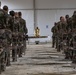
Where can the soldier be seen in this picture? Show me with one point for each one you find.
(69, 23)
(61, 28)
(74, 22)
(54, 35)
(58, 37)
(66, 36)
(15, 35)
(8, 33)
(3, 39)
(23, 31)
(74, 37)
(14, 26)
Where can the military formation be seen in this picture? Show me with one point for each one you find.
(13, 32)
(13, 36)
(64, 36)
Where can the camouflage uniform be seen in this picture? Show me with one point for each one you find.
(54, 31)
(8, 35)
(69, 36)
(3, 40)
(61, 28)
(73, 39)
(58, 39)
(22, 39)
(14, 26)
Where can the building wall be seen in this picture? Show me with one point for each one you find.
(55, 4)
(18, 4)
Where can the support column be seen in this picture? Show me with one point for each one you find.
(34, 8)
(0, 4)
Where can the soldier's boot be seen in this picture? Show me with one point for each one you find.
(66, 55)
(24, 47)
(0, 66)
(56, 43)
(20, 53)
(8, 60)
(74, 59)
(3, 64)
(3, 67)
(24, 50)
(14, 59)
(58, 48)
(14, 55)
(53, 44)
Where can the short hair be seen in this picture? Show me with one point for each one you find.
(61, 17)
(67, 16)
(5, 8)
(12, 13)
(19, 13)
(55, 23)
(74, 13)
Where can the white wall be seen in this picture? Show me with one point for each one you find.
(55, 4)
(47, 12)
(18, 4)
(45, 18)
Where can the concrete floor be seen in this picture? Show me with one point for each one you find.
(41, 60)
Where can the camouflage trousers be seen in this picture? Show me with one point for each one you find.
(53, 41)
(24, 46)
(14, 52)
(2, 62)
(7, 56)
(20, 51)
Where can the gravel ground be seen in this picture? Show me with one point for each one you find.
(41, 60)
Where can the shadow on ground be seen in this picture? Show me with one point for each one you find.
(48, 74)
